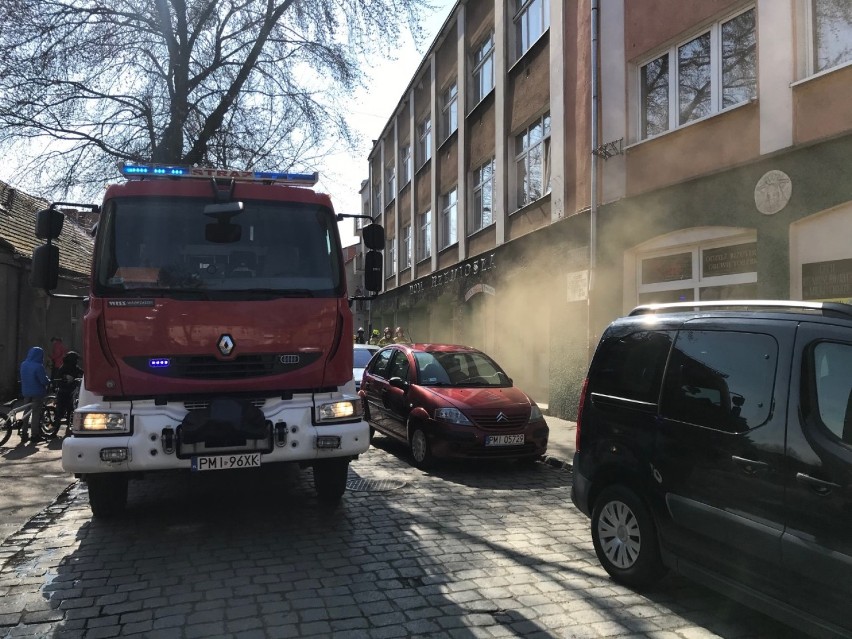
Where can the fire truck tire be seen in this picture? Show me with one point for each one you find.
(330, 479)
(107, 494)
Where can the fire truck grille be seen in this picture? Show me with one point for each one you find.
(208, 367)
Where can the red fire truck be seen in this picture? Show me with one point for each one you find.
(218, 333)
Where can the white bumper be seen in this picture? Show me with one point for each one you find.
(146, 452)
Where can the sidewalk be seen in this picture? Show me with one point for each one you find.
(32, 477)
(560, 445)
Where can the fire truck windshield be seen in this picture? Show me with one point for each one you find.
(171, 246)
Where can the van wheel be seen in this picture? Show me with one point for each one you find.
(625, 538)
(107, 494)
(421, 451)
(330, 479)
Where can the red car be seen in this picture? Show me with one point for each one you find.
(450, 401)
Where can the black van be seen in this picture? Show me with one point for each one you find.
(715, 440)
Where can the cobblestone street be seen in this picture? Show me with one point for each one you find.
(468, 550)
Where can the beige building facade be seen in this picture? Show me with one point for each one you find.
(551, 165)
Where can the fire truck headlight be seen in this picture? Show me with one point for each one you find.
(99, 423)
(347, 409)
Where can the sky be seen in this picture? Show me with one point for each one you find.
(342, 175)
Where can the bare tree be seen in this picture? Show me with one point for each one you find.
(256, 84)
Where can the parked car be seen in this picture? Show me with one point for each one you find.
(362, 355)
(717, 442)
(448, 401)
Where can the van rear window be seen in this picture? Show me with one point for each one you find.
(631, 366)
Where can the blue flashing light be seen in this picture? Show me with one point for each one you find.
(160, 362)
(300, 178)
(170, 171)
(153, 169)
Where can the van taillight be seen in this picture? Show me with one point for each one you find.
(580, 413)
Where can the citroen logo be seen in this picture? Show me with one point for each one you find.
(502, 417)
(225, 344)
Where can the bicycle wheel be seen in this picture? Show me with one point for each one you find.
(5, 427)
(49, 425)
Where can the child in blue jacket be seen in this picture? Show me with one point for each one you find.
(34, 384)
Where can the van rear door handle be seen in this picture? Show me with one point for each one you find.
(749, 466)
(819, 486)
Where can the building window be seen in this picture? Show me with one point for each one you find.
(424, 142)
(531, 20)
(390, 184)
(405, 165)
(532, 161)
(424, 243)
(449, 215)
(483, 69)
(711, 272)
(483, 196)
(449, 110)
(831, 22)
(712, 71)
(406, 247)
(390, 255)
(377, 200)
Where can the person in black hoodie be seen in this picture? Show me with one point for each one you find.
(67, 379)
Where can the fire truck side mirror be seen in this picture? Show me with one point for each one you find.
(374, 236)
(373, 271)
(45, 267)
(49, 224)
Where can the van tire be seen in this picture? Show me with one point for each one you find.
(625, 538)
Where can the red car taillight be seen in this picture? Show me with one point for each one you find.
(580, 413)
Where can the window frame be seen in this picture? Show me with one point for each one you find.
(390, 256)
(812, 67)
(482, 60)
(406, 247)
(477, 185)
(526, 151)
(424, 235)
(424, 141)
(405, 165)
(522, 24)
(448, 229)
(671, 56)
(449, 110)
(390, 184)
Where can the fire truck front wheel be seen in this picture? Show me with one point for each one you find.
(330, 478)
(107, 494)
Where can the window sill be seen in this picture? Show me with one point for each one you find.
(422, 168)
(448, 248)
(821, 74)
(683, 127)
(488, 98)
(473, 234)
(450, 138)
(526, 208)
(533, 49)
(423, 260)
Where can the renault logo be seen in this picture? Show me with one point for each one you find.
(501, 417)
(225, 344)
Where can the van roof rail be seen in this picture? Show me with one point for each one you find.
(832, 309)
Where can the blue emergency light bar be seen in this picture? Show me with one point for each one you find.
(164, 170)
(161, 362)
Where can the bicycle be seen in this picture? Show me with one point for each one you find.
(15, 413)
